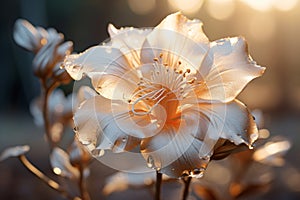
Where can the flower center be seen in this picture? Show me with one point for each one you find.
(165, 86)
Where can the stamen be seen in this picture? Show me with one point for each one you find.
(161, 91)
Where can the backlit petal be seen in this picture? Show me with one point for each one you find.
(105, 124)
(114, 86)
(129, 40)
(174, 152)
(232, 69)
(231, 121)
(176, 40)
(100, 59)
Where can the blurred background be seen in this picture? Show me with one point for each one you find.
(271, 27)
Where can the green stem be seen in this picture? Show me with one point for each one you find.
(158, 185)
(187, 181)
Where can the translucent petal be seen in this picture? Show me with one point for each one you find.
(129, 40)
(100, 59)
(114, 86)
(105, 124)
(232, 69)
(174, 151)
(231, 121)
(176, 40)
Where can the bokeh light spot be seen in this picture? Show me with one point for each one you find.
(220, 9)
(187, 6)
(141, 7)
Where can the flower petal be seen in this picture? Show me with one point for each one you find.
(232, 69)
(61, 165)
(129, 40)
(105, 124)
(178, 41)
(231, 121)
(114, 86)
(174, 152)
(13, 152)
(100, 59)
(26, 35)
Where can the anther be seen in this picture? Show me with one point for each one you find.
(155, 59)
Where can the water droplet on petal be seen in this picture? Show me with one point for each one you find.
(150, 162)
(85, 142)
(197, 173)
(98, 152)
(205, 158)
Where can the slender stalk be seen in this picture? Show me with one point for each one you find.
(158, 185)
(51, 183)
(187, 181)
(47, 90)
(82, 185)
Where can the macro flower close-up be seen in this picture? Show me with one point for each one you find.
(167, 93)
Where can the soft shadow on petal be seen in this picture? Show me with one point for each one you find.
(101, 59)
(232, 69)
(231, 121)
(129, 40)
(173, 151)
(105, 124)
(178, 42)
(84, 93)
(114, 86)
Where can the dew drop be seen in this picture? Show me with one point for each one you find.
(75, 129)
(85, 142)
(75, 68)
(205, 158)
(197, 173)
(124, 139)
(150, 162)
(98, 152)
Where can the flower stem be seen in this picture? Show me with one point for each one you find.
(187, 181)
(47, 92)
(82, 185)
(158, 185)
(51, 183)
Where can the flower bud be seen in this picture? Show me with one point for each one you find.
(26, 35)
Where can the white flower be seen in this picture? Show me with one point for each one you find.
(48, 47)
(167, 90)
